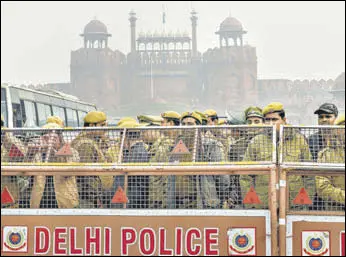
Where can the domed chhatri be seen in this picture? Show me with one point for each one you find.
(95, 35)
(231, 24)
(95, 27)
(230, 30)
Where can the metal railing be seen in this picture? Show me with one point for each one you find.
(216, 145)
(226, 167)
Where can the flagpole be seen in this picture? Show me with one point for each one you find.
(163, 18)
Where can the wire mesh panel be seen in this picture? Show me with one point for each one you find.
(139, 146)
(41, 146)
(321, 144)
(316, 193)
(132, 147)
(136, 192)
(202, 192)
(238, 144)
(191, 192)
(16, 191)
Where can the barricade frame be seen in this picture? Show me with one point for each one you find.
(164, 170)
(311, 163)
(241, 168)
(289, 227)
(284, 212)
(286, 216)
(123, 137)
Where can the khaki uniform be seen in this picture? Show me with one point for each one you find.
(214, 189)
(236, 153)
(91, 187)
(9, 181)
(158, 184)
(171, 191)
(187, 192)
(112, 154)
(224, 139)
(15, 184)
(65, 187)
(330, 188)
(8, 141)
(261, 149)
(238, 148)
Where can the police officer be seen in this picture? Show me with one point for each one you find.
(149, 120)
(54, 191)
(134, 151)
(170, 118)
(7, 181)
(150, 135)
(204, 119)
(161, 149)
(92, 146)
(55, 119)
(12, 150)
(254, 116)
(327, 114)
(234, 133)
(331, 189)
(209, 191)
(213, 120)
(125, 119)
(261, 149)
(212, 117)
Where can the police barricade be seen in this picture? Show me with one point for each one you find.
(139, 191)
(312, 191)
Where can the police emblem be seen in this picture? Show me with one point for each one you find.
(15, 239)
(315, 243)
(241, 241)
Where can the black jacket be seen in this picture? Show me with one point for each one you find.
(316, 144)
(138, 186)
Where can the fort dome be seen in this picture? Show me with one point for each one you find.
(231, 24)
(95, 27)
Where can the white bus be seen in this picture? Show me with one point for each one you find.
(28, 108)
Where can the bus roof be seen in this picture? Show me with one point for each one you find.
(49, 92)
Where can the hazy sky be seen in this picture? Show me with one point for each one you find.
(294, 40)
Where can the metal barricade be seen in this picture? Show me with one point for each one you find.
(311, 146)
(193, 145)
(227, 224)
(312, 190)
(145, 172)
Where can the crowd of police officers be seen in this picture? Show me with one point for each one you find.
(181, 192)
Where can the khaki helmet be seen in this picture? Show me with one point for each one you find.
(273, 107)
(193, 114)
(55, 119)
(94, 117)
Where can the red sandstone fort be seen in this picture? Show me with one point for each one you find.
(166, 71)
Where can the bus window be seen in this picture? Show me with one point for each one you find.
(60, 112)
(29, 114)
(81, 116)
(4, 106)
(17, 116)
(72, 120)
(43, 111)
